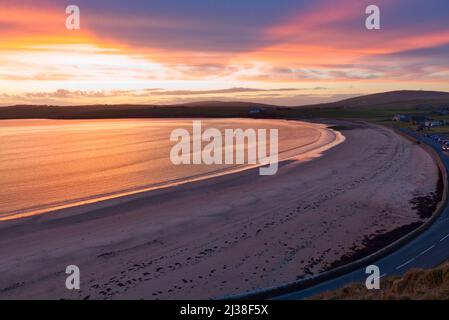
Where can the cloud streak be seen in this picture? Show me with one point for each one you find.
(195, 49)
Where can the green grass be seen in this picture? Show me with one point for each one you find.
(380, 115)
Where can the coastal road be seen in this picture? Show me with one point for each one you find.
(428, 250)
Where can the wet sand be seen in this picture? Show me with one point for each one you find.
(226, 235)
(48, 165)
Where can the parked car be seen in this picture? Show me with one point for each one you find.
(445, 145)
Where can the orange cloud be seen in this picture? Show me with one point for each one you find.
(324, 44)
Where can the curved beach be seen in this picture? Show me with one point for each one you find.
(48, 165)
(225, 235)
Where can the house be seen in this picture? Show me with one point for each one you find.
(401, 117)
(256, 110)
(433, 123)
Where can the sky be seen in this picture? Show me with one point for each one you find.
(284, 52)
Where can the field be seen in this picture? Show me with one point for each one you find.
(378, 108)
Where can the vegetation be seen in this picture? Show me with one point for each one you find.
(376, 107)
(416, 284)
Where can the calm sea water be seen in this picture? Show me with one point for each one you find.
(46, 164)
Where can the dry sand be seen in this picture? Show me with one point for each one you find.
(225, 235)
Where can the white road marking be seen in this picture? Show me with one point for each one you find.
(427, 250)
(424, 252)
(404, 264)
(444, 238)
(381, 276)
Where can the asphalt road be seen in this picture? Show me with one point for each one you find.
(428, 250)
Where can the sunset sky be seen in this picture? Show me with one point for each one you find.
(287, 52)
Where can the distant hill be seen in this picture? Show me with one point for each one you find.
(224, 104)
(194, 109)
(393, 99)
(387, 99)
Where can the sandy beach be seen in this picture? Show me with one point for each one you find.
(48, 165)
(225, 235)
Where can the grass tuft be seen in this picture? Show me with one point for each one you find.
(416, 284)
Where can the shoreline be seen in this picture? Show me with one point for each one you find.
(235, 229)
(376, 248)
(123, 196)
